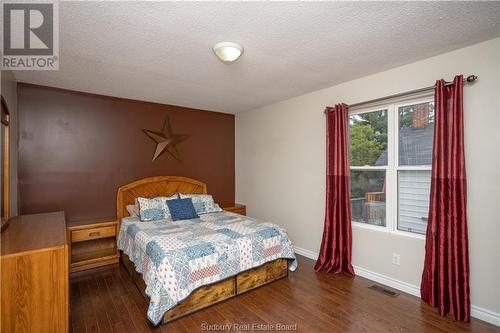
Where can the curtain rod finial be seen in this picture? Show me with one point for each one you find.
(471, 78)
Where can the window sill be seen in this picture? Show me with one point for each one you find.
(408, 234)
(384, 229)
(368, 226)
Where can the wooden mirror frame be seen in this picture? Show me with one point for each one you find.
(5, 119)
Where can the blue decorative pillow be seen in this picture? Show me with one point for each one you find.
(182, 209)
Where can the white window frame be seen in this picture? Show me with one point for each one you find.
(392, 167)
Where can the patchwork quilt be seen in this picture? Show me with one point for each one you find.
(177, 257)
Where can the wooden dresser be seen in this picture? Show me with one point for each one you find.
(34, 270)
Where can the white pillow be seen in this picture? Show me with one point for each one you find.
(155, 208)
(203, 203)
(133, 210)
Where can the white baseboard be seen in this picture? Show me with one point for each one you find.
(476, 311)
(485, 315)
(388, 281)
(306, 253)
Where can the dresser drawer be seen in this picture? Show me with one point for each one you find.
(92, 233)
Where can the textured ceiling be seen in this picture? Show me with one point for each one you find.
(161, 52)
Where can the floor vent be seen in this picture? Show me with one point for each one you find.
(384, 291)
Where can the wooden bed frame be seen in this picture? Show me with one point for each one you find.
(204, 296)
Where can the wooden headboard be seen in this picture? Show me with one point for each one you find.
(155, 187)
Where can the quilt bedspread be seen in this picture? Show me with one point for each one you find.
(177, 257)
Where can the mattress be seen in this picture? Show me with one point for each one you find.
(177, 257)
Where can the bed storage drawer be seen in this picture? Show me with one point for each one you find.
(92, 233)
(201, 298)
(259, 276)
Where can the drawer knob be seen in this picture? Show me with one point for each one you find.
(94, 234)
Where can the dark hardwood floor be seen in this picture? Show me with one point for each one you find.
(106, 300)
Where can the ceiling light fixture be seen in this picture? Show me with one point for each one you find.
(228, 51)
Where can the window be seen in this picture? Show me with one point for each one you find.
(390, 152)
(368, 142)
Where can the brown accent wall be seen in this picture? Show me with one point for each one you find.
(76, 149)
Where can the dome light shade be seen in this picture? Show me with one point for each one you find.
(228, 51)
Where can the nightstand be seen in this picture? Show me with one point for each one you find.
(236, 208)
(92, 243)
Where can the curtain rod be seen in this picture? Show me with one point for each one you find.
(468, 79)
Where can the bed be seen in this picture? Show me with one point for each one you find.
(184, 266)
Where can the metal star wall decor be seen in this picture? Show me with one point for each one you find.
(166, 140)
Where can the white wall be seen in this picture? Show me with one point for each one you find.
(280, 166)
(8, 89)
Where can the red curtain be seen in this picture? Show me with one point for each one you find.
(335, 254)
(445, 279)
